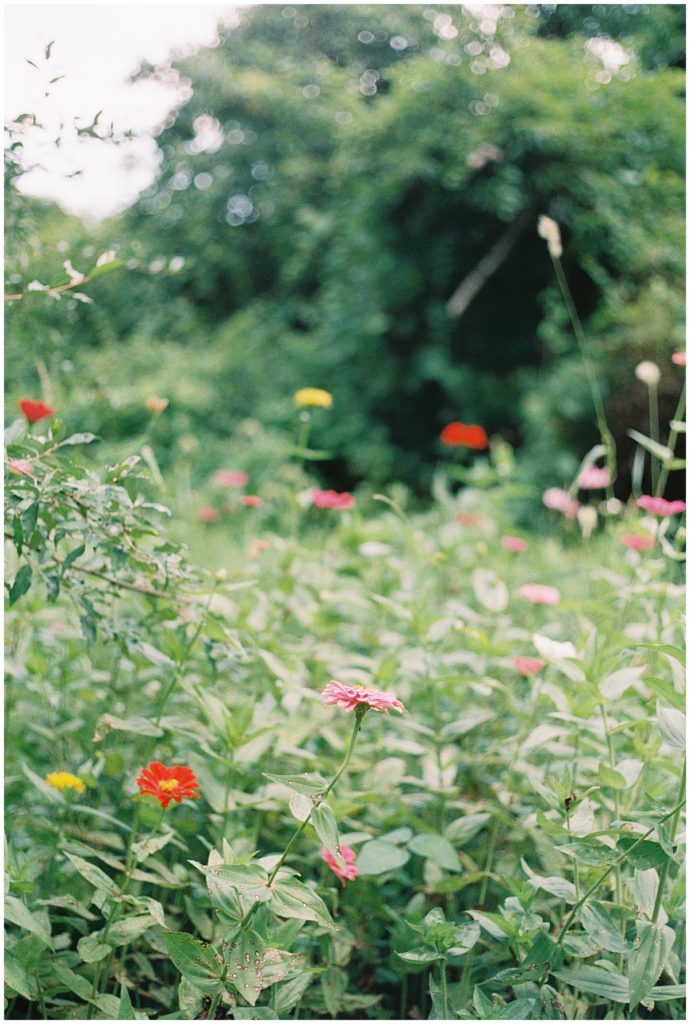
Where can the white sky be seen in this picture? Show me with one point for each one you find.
(96, 47)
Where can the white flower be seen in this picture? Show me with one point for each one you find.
(549, 230)
(587, 518)
(648, 372)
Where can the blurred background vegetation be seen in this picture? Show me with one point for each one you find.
(337, 174)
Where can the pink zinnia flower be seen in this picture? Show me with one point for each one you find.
(251, 500)
(513, 544)
(347, 873)
(638, 541)
(230, 478)
(560, 501)
(540, 593)
(332, 499)
(206, 514)
(19, 467)
(257, 546)
(660, 507)
(679, 358)
(594, 478)
(527, 666)
(350, 697)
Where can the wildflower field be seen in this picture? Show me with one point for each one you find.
(320, 704)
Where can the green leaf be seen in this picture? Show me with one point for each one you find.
(153, 844)
(18, 913)
(660, 451)
(645, 855)
(72, 557)
(190, 999)
(195, 960)
(420, 955)
(596, 981)
(130, 928)
(93, 875)
(597, 922)
(125, 1010)
(245, 960)
(661, 993)
(519, 1009)
(323, 820)
(226, 881)
(291, 898)
(647, 961)
(333, 987)
(378, 856)
(92, 949)
(17, 978)
(610, 777)
(78, 439)
(436, 849)
(289, 994)
(309, 784)
(76, 983)
(22, 583)
(671, 726)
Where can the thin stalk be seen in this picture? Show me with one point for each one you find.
(444, 989)
(654, 430)
(672, 438)
(216, 998)
(612, 866)
(672, 835)
(600, 414)
(359, 715)
(616, 803)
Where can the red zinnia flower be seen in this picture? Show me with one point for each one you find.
(166, 784)
(660, 507)
(350, 871)
(514, 544)
(464, 435)
(638, 541)
(251, 500)
(206, 514)
(527, 666)
(332, 499)
(35, 411)
(230, 478)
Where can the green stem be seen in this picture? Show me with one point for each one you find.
(672, 438)
(654, 431)
(614, 864)
(672, 836)
(444, 989)
(216, 998)
(359, 715)
(600, 414)
(616, 803)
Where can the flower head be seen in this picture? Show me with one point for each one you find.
(648, 372)
(560, 501)
(594, 478)
(166, 784)
(206, 514)
(313, 396)
(679, 358)
(350, 697)
(347, 873)
(158, 405)
(514, 544)
(257, 546)
(35, 411)
(548, 229)
(464, 435)
(251, 500)
(638, 541)
(332, 499)
(527, 666)
(230, 478)
(660, 507)
(540, 593)
(65, 780)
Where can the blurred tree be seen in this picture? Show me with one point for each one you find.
(349, 199)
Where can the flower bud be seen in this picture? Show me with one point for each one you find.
(648, 372)
(549, 230)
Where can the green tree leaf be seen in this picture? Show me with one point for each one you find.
(648, 959)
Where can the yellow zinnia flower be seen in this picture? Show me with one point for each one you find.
(313, 396)
(65, 780)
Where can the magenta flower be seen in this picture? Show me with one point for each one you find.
(206, 514)
(350, 697)
(540, 593)
(251, 500)
(660, 507)
(527, 666)
(332, 499)
(347, 873)
(513, 544)
(679, 358)
(560, 501)
(594, 478)
(230, 478)
(638, 541)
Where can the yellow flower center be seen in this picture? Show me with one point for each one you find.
(167, 785)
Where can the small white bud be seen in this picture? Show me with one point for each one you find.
(549, 230)
(648, 372)
(587, 518)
